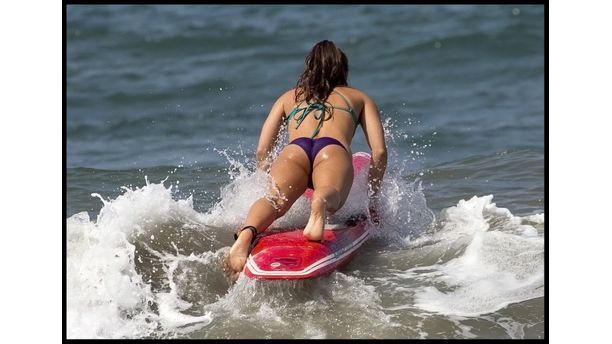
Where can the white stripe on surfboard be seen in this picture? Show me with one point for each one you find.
(314, 266)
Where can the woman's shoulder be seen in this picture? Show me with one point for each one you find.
(287, 99)
(353, 92)
(288, 95)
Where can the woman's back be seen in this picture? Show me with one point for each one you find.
(344, 106)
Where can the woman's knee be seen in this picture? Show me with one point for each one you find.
(325, 191)
(329, 195)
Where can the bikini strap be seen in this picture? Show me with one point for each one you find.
(349, 109)
(303, 112)
(291, 114)
(320, 116)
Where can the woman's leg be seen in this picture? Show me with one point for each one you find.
(289, 173)
(332, 179)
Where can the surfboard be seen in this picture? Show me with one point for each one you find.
(287, 254)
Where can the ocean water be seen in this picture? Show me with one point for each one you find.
(164, 108)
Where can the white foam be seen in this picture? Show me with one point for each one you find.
(269, 314)
(514, 329)
(464, 330)
(403, 211)
(171, 305)
(537, 218)
(499, 265)
(170, 312)
(106, 297)
(140, 207)
(362, 301)
(313, 332)
(102, 284)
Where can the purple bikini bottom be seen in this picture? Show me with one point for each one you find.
(312, 148)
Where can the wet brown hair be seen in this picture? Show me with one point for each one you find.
(326, 67)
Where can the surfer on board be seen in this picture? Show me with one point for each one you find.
(322, 114)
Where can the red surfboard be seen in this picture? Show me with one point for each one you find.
(287, 254)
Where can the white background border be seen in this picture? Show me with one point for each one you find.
(31, 171)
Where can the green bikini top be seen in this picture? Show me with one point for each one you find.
(320, 116)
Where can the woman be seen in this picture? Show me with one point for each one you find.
(322, 113)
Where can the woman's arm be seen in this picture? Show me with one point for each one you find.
(269, 132)
(375, 137)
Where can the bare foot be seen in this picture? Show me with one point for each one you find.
(230, 274)
(234, 261)
(316, 222)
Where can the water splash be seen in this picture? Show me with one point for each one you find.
(495, 259)
(107, 295)
(149, 266)
(403, 207)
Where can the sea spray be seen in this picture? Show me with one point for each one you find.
(402, 208)
(496, 259)
(268, 307)
(107, 296)
(150, 265)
